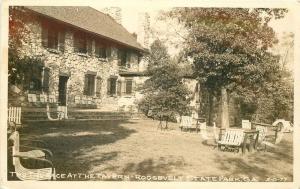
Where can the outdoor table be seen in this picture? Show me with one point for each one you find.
(252, 135)
(199, 120)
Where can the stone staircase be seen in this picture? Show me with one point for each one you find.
(40, 114)
(100, 115)
(109, 104)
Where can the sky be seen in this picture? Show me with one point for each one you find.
(130, 22)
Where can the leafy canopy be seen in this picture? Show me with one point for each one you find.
(165, 92)
(229, 46)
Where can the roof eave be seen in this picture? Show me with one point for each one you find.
(99, 35)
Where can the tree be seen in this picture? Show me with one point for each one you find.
(165, 94)
(21, 68)
(229, 47)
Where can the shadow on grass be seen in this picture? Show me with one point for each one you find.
(274, 163)
(160, 167)
(73, 143)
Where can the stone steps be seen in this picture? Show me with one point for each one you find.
(40, 114)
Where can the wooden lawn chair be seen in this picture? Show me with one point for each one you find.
(186, 123)
(231, 140)
(14, 115)
(52, 98)
(246, 124)
(43, 98)
(77, 99)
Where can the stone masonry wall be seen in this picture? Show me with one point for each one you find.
(74, 64)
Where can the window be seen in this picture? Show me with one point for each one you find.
(129, 84)
(89, 84)
(112, 86)
(53, 36)
(53, 39)
(122, 58)
(101, 50)
(37, 78)
(80, 43)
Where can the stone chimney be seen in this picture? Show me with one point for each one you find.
(143, 29)
(114, 12)
(134, 35)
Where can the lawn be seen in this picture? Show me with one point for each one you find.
(135, 149)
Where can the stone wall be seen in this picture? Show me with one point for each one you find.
(72, 63)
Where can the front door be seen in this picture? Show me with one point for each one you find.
(62, 90)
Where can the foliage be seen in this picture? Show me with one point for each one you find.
(165, 93)
(18, 16)
(230, 49)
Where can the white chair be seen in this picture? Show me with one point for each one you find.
(32, 98)
(231, 140)
(246, 124)
(14, 115)
(52, 98)
(43, 98)
(77, 99)
(23, 173)
(186, 122)
(286, 125)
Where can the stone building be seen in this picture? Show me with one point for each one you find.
(89, 60)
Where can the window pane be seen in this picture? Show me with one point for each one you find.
(80, 43)
(100, 50)
(52, 39)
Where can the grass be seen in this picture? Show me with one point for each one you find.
(134, 149)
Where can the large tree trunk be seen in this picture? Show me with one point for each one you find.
(211, 107)
(224, 108)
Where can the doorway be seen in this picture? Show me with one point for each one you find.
(62, 90)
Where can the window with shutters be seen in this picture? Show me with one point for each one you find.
(129, 84)
(89, 85)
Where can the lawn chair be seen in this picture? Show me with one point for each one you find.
(278, 138)
(285, 125)
(231, 140)
(186, 123)
(261, 136)
(32, 98)
(14, 115)
(52, 98)
(43, 98)
(34, 152)
(77, 99)
(246, 124)
(23, 173)
(203, 131)
(89, 100)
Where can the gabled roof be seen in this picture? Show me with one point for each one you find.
(91, 20)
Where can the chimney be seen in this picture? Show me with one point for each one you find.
(134, 35)
(143, 29)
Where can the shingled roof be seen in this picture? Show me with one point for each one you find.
(91, 20)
